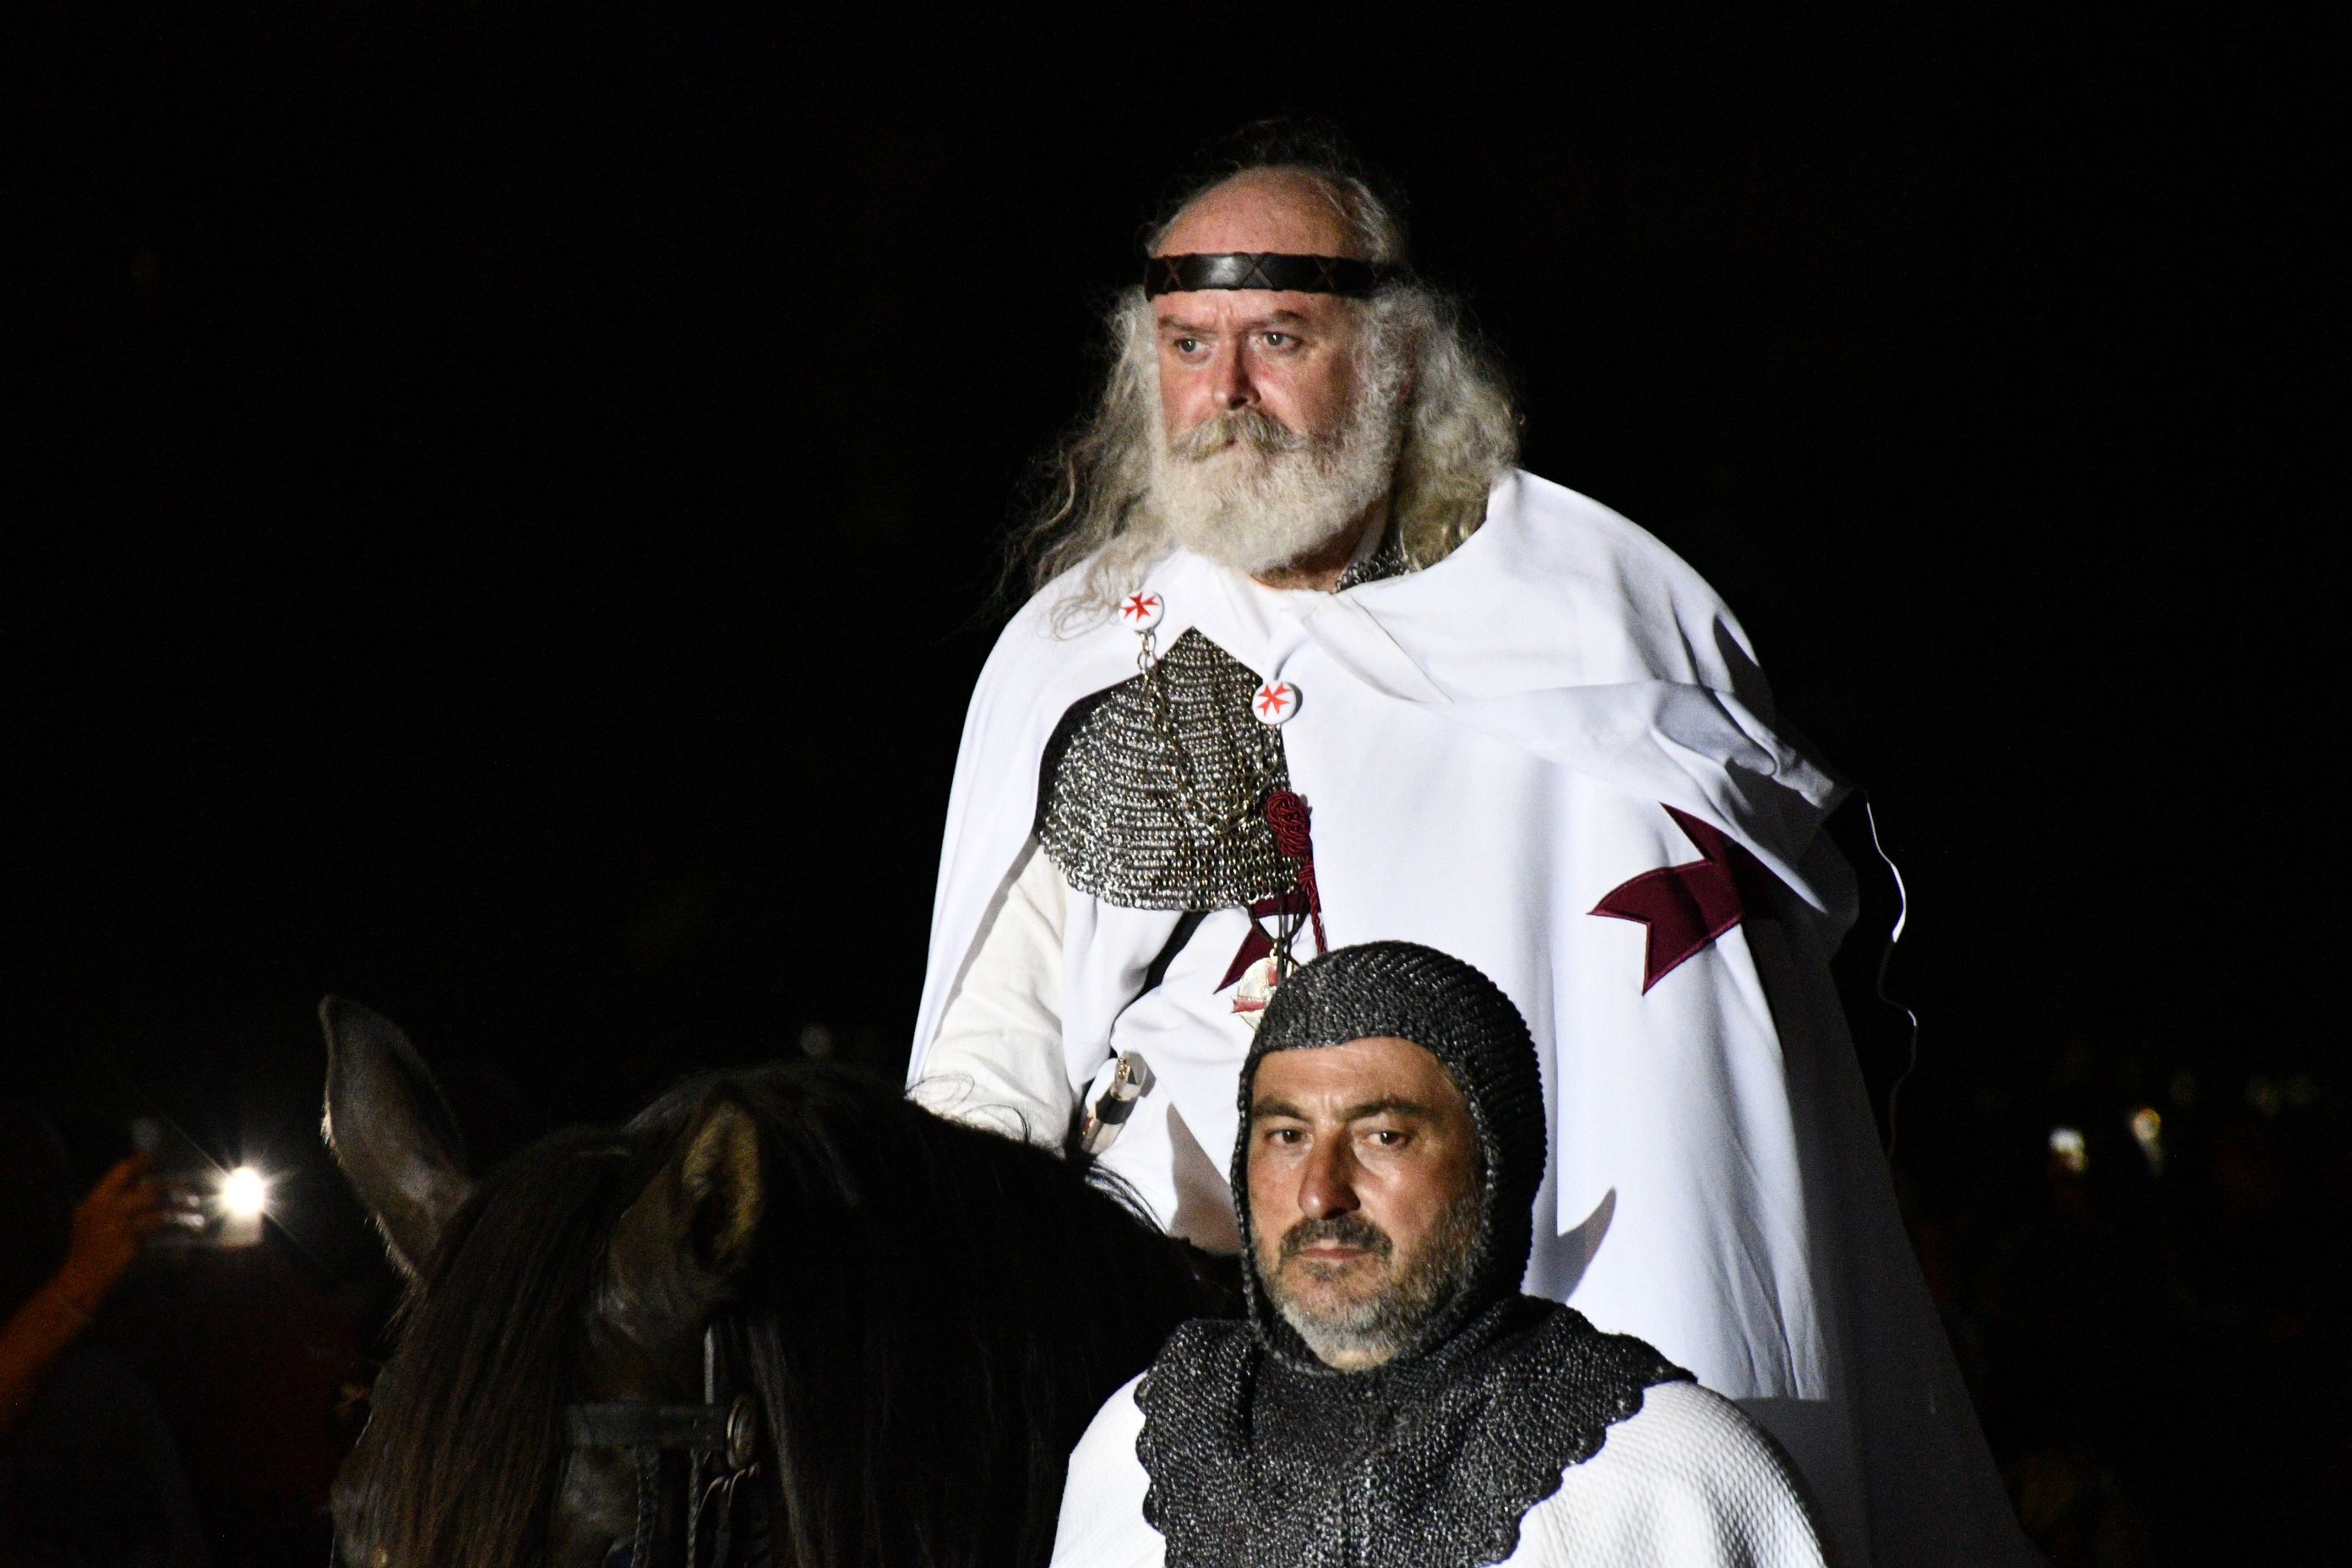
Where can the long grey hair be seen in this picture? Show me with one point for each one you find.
(1459, 427)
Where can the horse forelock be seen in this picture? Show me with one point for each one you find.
(465, 1449)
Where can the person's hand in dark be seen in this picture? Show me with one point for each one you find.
(109, 1225)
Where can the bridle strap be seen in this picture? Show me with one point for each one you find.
(719, 1442)
(695, 1429)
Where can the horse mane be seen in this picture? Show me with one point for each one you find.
(930, 1317)
(495, 1322)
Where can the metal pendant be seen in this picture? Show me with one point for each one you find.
(1256, 988)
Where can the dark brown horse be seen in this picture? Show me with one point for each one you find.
(923, 1318)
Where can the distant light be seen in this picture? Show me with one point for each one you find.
(2067, 1148)
(816, 1040)
(2263, 1095)
(245, 1193)
(2148, 1131)
(2184, 1088)
(2302, 1092)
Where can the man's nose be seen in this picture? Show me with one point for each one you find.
(1327, 1185)
(1232, 385)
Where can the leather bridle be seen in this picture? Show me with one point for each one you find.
(694, 1509)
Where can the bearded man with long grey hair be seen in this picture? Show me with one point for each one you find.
(1310, 662)
(1428, 427)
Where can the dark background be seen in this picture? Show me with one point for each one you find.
(502, 509)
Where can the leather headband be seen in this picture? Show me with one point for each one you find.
(1240, 269)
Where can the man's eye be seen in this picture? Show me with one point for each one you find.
(1392, 1138)
(1278, 339)
(1188, 345)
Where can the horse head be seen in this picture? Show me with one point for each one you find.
(912, 1317)
(583, 1273)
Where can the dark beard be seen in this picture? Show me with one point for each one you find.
(1387, 1321)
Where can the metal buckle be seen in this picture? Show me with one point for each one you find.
(743, 1433)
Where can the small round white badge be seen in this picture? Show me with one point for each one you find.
(1276, 702)
(1140, 611)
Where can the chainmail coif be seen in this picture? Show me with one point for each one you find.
(1260, 1456)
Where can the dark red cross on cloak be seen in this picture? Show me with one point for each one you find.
(1688, 906)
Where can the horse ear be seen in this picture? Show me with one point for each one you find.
(391, 1129)
(675, 1252)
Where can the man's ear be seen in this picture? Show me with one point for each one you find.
(391, 1129)
(677, 1250)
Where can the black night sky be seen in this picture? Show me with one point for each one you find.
(502, 507)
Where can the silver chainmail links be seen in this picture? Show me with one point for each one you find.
(1155, 790)
(1387, 561)
(1431, 1465)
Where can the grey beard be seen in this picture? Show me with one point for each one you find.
(1385, 1323)
(1248, 492)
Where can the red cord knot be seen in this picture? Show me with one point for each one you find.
(1286, 814)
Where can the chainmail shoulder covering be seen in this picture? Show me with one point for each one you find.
(1157, 801)
(1257, 1463)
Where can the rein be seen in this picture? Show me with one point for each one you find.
(692, 1461)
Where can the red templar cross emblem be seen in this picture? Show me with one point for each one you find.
(1276, 702)
(1140, 610)
(1688, 906)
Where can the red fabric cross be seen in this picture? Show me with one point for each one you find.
(1688, 906)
